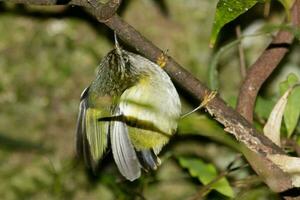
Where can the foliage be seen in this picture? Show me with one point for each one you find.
(292, 111)
(206, 173)
(228, 10)
(48, 55)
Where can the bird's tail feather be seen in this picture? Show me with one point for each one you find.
(148, 159)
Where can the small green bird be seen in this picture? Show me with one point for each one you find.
(132, 107)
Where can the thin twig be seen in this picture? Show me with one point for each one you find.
(241, 53)
(247, 182)
(206, 188)
(267, 8)
(213, 77)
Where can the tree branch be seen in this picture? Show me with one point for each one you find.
(233, 122)
(265, 65)
(101, 11)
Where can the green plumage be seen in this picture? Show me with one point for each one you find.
(97, 137)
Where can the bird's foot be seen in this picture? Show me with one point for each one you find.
(206, 99)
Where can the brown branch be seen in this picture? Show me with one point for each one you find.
(101, 11)
(46, 2)
(264, 66)
(256, 76)
(233, 122)
(104, 11)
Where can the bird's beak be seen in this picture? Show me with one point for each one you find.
(117, 46)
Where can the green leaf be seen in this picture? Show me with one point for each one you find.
(263, 107)
(206, 173)
(228, 10)
(292, 109)
(291, 80)
(287, 4)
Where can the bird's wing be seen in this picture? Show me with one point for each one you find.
(151, 109)
(154, 107)
(91, 136)
(122, 149)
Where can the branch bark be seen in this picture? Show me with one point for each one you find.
(259, 72)
(233, 122)
(102, 11)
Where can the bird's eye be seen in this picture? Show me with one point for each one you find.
(126, 59)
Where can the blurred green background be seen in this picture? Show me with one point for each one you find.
(48, 55)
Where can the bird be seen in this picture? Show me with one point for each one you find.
(131, 108)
